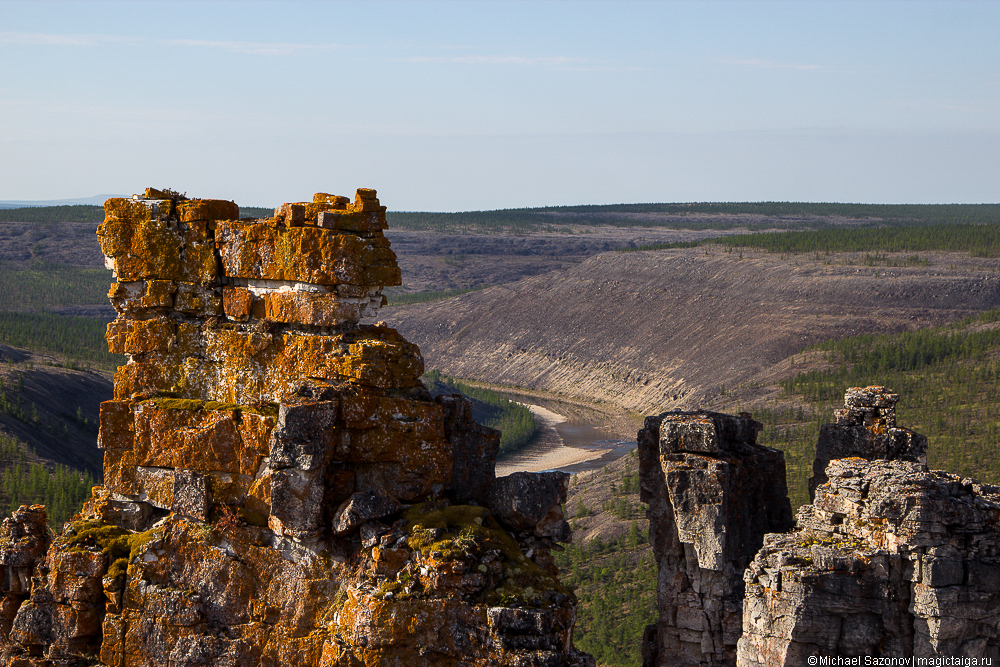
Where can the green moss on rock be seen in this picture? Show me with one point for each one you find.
(170, 403)
(120, 545)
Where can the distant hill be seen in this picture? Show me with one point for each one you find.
(22, 203)
(52, 409)
(705, 215)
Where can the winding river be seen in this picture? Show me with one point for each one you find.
(572, 438)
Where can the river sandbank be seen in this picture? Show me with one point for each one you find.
(551, 451)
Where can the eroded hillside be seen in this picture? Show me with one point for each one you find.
(650, 331)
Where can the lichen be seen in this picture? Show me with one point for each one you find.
(467, 532)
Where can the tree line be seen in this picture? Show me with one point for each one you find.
(42, 286)
(62, 490)
(948, 381)
(515, 422)
(979, 240)
(79, 340)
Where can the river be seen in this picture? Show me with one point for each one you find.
(572, 438)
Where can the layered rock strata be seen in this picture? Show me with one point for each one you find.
(890, 560)
(713, 494)
(280, 488)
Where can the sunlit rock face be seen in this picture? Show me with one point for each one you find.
(890, 560)
(713, 494)
(279, 486)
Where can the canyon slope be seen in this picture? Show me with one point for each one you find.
(656, 330)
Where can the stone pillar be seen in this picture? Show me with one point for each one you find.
(890, 559)
(274, 467)
(713, 494)
(866, 428)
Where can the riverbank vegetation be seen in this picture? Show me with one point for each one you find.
(610, 564)
(515, 422)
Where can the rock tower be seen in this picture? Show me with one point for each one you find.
(891, 560)
(713, 494)
(279, 486)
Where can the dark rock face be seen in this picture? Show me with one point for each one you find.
(532, 503)
(474, 450)
(24, 539)
(890, 560)
(361, 507)
(713, 494)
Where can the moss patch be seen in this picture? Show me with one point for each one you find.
(467, 532)
(167, 403)
(119, 544)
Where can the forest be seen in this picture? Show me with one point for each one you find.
(61, 490)
(979, 240)
(42, 286)
(79, 341)
(515, 422)
(947, 378)
(671, 215)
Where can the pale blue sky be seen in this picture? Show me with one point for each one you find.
(476, 105)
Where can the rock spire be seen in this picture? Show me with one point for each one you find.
(279, 486)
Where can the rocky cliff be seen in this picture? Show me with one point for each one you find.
(713, 494)
(280, 488)
(890, 560)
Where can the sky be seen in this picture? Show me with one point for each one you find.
(472, 105)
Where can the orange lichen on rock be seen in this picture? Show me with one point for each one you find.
(279, 486)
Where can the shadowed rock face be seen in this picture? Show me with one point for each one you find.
(891, 559)
(280, 488)
(713, 494)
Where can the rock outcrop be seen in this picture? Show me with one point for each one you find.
(865, 428)
(280, 488)
(713, 494)
(890, 560)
